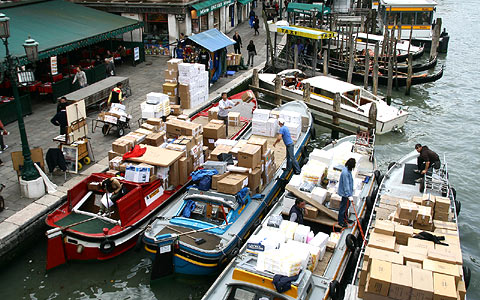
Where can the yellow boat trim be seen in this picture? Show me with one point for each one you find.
(409, 8)
(415, 27)
(245, 276)
(150, 250)
(195, 262)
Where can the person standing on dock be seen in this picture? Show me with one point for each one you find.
(251, 53)
(3, 132)
(60, 119)
(224, 106)
(284, 134)
(426, 160)
(345, 190)
(116, 95)
(238, 44)
(80, 77)
(256, 25)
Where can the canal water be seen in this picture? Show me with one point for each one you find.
(443, 115)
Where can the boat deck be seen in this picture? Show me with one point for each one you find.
(93, 226)
(211, 240)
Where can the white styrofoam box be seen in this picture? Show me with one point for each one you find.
(313, 172)
(284, 261)
(110, 119)
(144, 106)
(301, 233)
(227, 142)
(319, 195)
(151, 114)
(186, 68)
(321, 156)
(356, 201)
(156, 98)
(334, 239)
(259, 131)
(272, 127)
(300, 249)
(118, 106)
(267, 238)
(137, 174)
(295, 181)
(199, 67)
(287, 204)
(291, 116)
(320, 240)
(288, 228)
(261, 114)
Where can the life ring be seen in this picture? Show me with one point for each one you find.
(107, 246)
(351, 242)
(334, 290)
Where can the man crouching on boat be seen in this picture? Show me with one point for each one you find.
(115, 191)
(345, 190)
(284, 133)
(297, 211)
(426, 160)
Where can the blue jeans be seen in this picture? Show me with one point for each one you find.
(291, 159)
(343, 209)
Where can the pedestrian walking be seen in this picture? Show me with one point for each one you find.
(238, 44)
(80, 77)
(256, 25)
(3, 132)
(251, 17)
(251, 53)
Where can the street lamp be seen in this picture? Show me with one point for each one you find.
(29, 172)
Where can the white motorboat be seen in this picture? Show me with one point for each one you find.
(356, 101)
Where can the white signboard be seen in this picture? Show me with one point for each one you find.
(53, 65)
(136, 53)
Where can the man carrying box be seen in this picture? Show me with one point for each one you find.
(224, 106)
(284, 133)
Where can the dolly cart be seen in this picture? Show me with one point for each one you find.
(110, 121)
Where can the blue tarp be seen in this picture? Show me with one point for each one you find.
(212, 39)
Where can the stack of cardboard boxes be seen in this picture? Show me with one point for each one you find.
(265, 122)
(234, 59)
(193, 84)
(156, 106)
(170, 87)
(398, 266)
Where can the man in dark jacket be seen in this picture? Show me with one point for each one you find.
(238, 44)
(426, 160)
(60, 119)
(297, 211)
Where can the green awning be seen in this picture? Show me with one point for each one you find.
(60, 26)
(245, 2)
(205, 7)
(306, 8)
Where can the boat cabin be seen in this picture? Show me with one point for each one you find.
(406, 12)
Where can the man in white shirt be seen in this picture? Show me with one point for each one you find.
(224, 106)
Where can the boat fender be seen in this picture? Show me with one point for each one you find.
(374, 194)
(370, 201)
(391, 165)
(233, 253)
(139, 243)
(351, 242)
(313, 131)
(378, 176)
(334, 290)
(454, 192)
(466, 275)
(458, 207)
(107, 246)
(356, 255)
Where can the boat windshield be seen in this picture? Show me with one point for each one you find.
(247, 292)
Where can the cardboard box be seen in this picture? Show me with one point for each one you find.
(174, 174)
(462, 290)
(422, 284)
(384, 227)
(370, 296)
(155, 122)
(209, 142)
(334, 202)
(112, 154)
(121, 146)
(362, 281)
(413, 265)
(185, 101)
(401, 284)
(407, 210)
(170, 88)
(444, 287)
(233, 118)
(382, 213)
(213, 113)
(311, 211)
(417, 200)
(260, 142)
(179, 127)
(187, 141)
(155, 139)
(232, 183)
(444, 225)
(418, 243)
(173, 63)
(216, 178)
(450, 250)
(442, 204)
(173, 100)
(427, 227)
(94, 186)
(382, 241)
(171, 76)
(254, 179)
(428, 200)
(375, 253)
(214, 131)
(248, 96)
(176, 110)
(443, 268)
(441, 216)
(249, 156)
(219, 150)
(424, 215)
(379, 278)
(402, 233)
(399, 220)
(182, 170)
(442, 256)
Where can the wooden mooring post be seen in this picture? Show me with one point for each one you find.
(255, 82)
(325, 62)
(278, 90)
(335, 120)
(372, 115)
(375, 70)
(435, 38)
(409, 75)
(367, 69)
(306, 92)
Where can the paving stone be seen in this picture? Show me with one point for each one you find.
(7, 229)
(27, 215)
(104, 161)
(49, 201)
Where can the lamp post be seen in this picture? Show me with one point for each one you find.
(29, 172)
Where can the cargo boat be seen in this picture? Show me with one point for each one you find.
(432, 208)
(223, 221)
(243, 277)
(79, 231)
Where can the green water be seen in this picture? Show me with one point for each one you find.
(443, 115)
